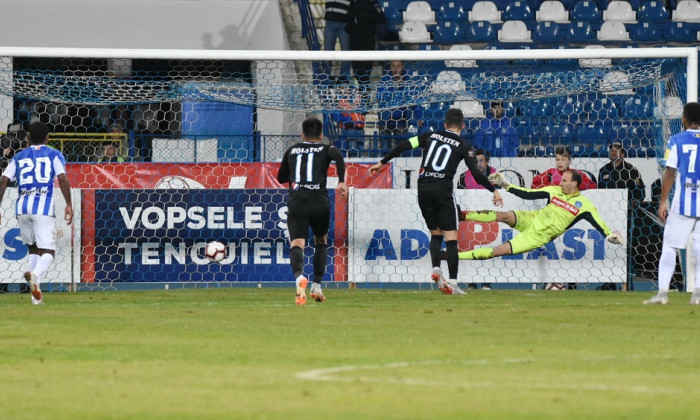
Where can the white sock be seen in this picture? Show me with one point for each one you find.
(667, 265)
(42, 266)
(33, 258)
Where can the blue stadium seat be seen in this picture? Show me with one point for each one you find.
(586, 11)
(434, 115)
(518, 10)
(448, 32)
(548, 33)
(603, 110)
(558, 134)
(653, 11)
(638, 107)
(568, 109)
(681, 32)
(645, 33)
(392, 11)
(481, 32)
(450, 10)
(582, 33)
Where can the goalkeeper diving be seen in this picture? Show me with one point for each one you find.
(566, 207)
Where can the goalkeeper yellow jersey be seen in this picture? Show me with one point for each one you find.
(562, 211)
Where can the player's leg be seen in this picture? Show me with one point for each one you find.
(320, 222)
(298, 227)
(676, 233)
(525, 241)
(27, 230)
(695, 297)
(448, 213)
(488, 216)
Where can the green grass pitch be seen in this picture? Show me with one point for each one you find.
(381, 354)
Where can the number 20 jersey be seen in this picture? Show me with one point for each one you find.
(682, 154)
(35, 169)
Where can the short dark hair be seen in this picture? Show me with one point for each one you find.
(575, 176)
(486, 153)
(691, 112)
(454, 117)
(312, 128)
(562, 150)
(38, 132)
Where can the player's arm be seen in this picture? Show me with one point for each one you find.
(479, 176)
(4, 182)
(591, 215)
(283, 174)
(528, 194)
(403, 146)
(666, 185)
(64, 185)
(335, 155)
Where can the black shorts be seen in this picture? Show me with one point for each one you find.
(304, 213)
(437, 204)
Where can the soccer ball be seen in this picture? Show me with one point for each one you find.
(215, 251)
(555, 286)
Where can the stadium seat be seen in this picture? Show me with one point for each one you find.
(603, 110)
(447, 82)
(414, 32)
(471, 109)
(638, 107)
(582, 33)
(514, 31)
(558, 134)
(467, 64)
(653, 11)
(687, 11)
(448, 32)
(568, 109)
(548, 33)
(681, 32)
(613, 31)
(485, 11)
(481, 32)
(616, 83)
(451, 10)
(586, 11)
(620, 11)
(392, 13)
(645, 32)
(594, 62)
(518, 10)
(671, 107)
(419, 11)
(552, 11)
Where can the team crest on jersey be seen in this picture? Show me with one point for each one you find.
(578, 204)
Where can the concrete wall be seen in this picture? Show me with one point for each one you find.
(181, 24)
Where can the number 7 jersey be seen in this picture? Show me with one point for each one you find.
(35, 169)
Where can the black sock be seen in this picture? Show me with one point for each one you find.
(320, 259)
(435, 245)
(296, 257)
(452, 259)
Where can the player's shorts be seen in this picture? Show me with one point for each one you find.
(438, 207)
(304, 213)
(527, 239)
(38, 229)
(678, 229)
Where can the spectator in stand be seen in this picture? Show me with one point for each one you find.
(110, 154)
(336, 17)
(467, 182)
(553, 176)
(394, 91)
(497, 133)
(363, 18)
(350, 122)
(623, 175)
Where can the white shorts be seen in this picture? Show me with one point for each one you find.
(678, 229)
(38, 229)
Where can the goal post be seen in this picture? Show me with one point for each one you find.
(201, 132)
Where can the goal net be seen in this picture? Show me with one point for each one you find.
(169, 150)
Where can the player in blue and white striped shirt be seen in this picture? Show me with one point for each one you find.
(683, 170)
(35, 169)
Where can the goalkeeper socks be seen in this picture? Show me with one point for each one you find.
(484, 216)
(477, 254)
(296, 257)
(42, 265)
(667, 265)
(320, 258)
(435, 245)
(452, 259)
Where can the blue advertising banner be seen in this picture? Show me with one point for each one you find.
(160, 235)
